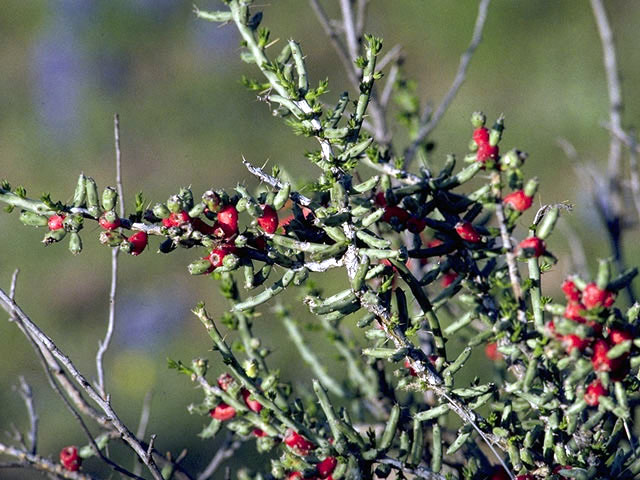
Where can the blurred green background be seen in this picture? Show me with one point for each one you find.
(66, 67)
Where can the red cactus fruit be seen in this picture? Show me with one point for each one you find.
(298, 443)
(223, 412)
(216, 257)
(138, 242)
(202, 226)
(486, 152)
(481, 136)
(593, 393)
(600, 361)
(109, 220)
(176, 219)
(571, 290)
(448, 278)
(326, 467)
(573, 311)
(617, 335)
(571, 342)
(518, 200)
(380, 200)
(532, 247)
(253, 405)
(394, 212)
(228, 221)
(466, 232)
(491, 351)
(224, 381)
(269, 219)
(69, 458)
(593, 297)
(55, 222)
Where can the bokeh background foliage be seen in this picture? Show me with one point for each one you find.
(66, 67)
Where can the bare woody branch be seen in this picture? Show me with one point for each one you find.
(104, 344)
(13, 309)
(458, 80)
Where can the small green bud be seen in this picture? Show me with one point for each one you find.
(251, 368)
(54, 236)
(73, 223)
(277, 470)
(478, 119)
(75, 243)
(92, 196)
(199, 366)
(531, 187)
(200, 267)
(604, 273)
(282, 196)
(80, 194)
(230, 261)
(186, 195)
(547, 223)
(211, 200)
(160, 210)
(175, 204)
(513, 159)
(240, 241)
(197, 210)
(32, 219)
(109, 198)
(495, 135)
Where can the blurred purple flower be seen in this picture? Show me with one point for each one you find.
(58, 77)
(149, 318)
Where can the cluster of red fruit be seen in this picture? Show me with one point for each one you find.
(69, 458)
(224, 412)
(292, 439)
(579, 303)
(486, 148)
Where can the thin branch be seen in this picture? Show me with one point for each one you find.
(391, 56)
(226, 450)
(46, 343)
(613, 85)
(274, 182)
(142, 425)
(361, 16)
(334, 38)
(347, 57)
(42, 464)
(461, 74)
(116, 135)
(389, 84)
(614, 197)
(40, 351)
(579, 263)
(14, 282)
(348, 22)
(104, 344)
(27, 396)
